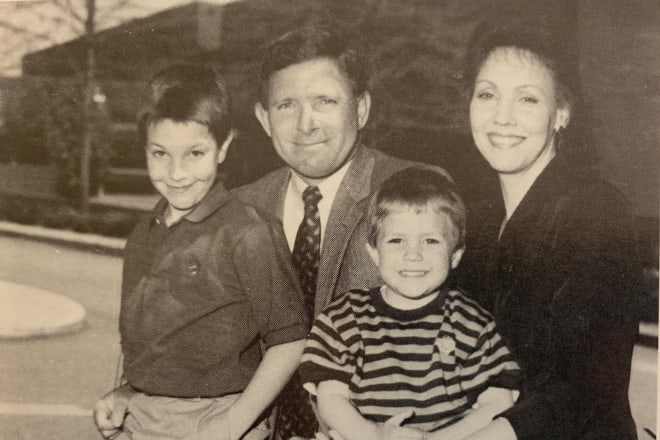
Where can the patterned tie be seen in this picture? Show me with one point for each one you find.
(307, 247)
(296, 416)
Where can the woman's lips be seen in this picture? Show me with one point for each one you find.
(502, 140)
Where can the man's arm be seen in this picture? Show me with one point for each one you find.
(338, 412)
(479, 422)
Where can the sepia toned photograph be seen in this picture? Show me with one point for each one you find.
(329, 219)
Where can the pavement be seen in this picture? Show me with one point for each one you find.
(28, 312)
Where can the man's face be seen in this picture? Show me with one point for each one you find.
(313, 117)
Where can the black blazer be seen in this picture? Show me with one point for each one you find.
(562, 284)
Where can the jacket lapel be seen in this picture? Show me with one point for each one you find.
(345, 214)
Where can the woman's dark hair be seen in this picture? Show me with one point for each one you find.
(547, 40)
(310, 43)
(187, 93)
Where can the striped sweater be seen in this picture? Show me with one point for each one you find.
(435, 360)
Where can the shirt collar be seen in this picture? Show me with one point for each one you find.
(328, 187)
(214, 199)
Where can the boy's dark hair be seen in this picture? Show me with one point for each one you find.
(420, 189)
(184, 93)
(311, 43)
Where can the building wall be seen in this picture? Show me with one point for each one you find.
(620, 66)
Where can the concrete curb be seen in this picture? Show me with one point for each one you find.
(95, 242)
(30, 312)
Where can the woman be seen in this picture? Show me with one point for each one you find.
(552, 258)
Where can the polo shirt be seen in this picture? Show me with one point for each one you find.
(201, 298)
(435, 359)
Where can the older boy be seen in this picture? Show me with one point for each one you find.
(412, 344)
(207, 282)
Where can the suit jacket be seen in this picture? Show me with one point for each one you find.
(344, 262)
(561, 282)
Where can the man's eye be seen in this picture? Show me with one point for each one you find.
(431, 241)
(197, 153)
(284, 105)
(328, 101)
(529, 100)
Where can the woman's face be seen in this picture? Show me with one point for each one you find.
(514, 111)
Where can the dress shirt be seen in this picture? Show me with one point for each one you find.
(294, 206)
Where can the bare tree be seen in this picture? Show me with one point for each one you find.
(37, 24)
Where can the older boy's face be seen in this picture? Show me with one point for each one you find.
(313, 117)
(182, 159)
(414, 254)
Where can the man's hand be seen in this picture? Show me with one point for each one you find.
(110, 410)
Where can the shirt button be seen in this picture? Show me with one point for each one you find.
(157, 221)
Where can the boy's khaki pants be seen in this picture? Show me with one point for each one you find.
(168, 418)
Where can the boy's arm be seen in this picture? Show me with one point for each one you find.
(110, 410)
(274, 371)
(338, 412)
(489, 404)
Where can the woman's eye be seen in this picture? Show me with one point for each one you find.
(158, 153)
(529, 100)
(485, 96)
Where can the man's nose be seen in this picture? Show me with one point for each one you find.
(306, 120)
(504, 114)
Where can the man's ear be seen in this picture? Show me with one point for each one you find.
(222, 153)
(456, 257)
(373, 253)
(563, 117)
(262, 116)
(363, 107)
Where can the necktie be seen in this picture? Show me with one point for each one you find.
(296, 416)
(307, 248)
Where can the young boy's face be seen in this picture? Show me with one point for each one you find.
(182, 159)
(415, 250)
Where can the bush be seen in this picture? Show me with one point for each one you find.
(59, 214)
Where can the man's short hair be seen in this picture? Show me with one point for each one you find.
(187, 93)
(311, 43)
(419, 189)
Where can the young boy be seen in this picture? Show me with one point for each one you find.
(207, 283)
(412, 348)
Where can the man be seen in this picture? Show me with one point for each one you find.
(314, 102)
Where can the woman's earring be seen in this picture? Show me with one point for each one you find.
(560, 136)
